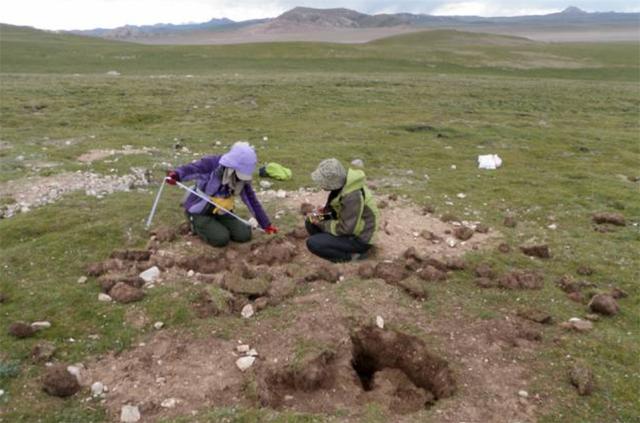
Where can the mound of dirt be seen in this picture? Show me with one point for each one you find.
(21, 330)
(536, 315)
(59, 382)
(395, 391)
(504, 248)
(484, 270)
(463, 233)
(326, 272)
(205, 306)
(165, 233)
(366, 270)
(255, 287)
(108, 281)
(415, 288)
(375, 349)
(431, 274)
(521, 279)
(125, 294)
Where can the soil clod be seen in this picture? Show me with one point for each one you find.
(618, 293)
(131, 255)
(616, 219)
(43, 352)
(375, 349)
(484, 270)
(537, 316)
(306, 208)
(448, 217)
(540, 251)
(521, 279)
(125, 294)
(463, 233)
(21, 330)
(366, 270)
(431, 274)
(510, 222)
(504, 248)
(581, 377)
(585, 270)
(391, 273)
(481, 228)
(59, 382)
(604, 304)
(165, 233)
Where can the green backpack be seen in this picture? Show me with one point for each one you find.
(275, 171)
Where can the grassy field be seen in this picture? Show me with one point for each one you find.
(564, 118)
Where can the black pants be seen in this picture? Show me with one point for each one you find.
(331, 247)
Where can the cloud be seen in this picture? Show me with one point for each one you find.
(486, 8)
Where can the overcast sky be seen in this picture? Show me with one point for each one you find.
(86, 14)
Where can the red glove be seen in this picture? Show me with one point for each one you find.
(271, 230)
(172, 177)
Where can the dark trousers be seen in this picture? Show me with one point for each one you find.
(331, 247)
(218, 230)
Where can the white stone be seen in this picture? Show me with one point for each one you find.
(247, 311)
(104, 297)
(169, 403)
(553, 226)
(82, 279)
(461, 195)
(265, 138)
(265, 184)
(158, 325)
(129, 414)
(357, 163)
(41, 325)
(75, 371)
(243, 348)
(380, 322)
(190, 273)
(452, 243)
(288, 397)
(1, 392)
(252, 353)
(454, 167)
(244, 363)
(113, 73)
(151, 274)
(97, 388)
(523, 394)
(218, 143)
(281, 193)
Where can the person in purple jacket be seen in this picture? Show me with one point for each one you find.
(222, 178)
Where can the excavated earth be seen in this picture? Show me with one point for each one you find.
(328, 338)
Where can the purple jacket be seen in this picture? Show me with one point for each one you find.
(208, 180)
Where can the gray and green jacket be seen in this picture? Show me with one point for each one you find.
(355, 208)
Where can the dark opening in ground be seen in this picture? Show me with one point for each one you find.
(365, 368)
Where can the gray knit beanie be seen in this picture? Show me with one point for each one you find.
(330, 175)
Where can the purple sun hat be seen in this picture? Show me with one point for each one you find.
(241, 158)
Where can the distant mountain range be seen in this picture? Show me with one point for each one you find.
(308, 19)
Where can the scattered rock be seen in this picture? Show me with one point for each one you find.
(578, 325)
(59, 382)
(537, 316)
(521, 280)
(585, 270)
(105, 298)
(592, 317)
(41, 325)
(581, 377)
(510, 222)
(243, 348)
(604, 304)
(380, 322)
(169, 403)
(430, 236)
(158, 325)
(125, 294)
(452, 243)
(382, 204)
(247, 311)
(21, 330)
(541, 251)
(265, 184)
(357, 163)
(523, 394)
(43, 351)
(463, 233)
(504, 248)
(611, 218)
(130, 414)
(481, 228)
(243, 363)
(97, 389)
(484, 270)
(151, 274)
(82, 279)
